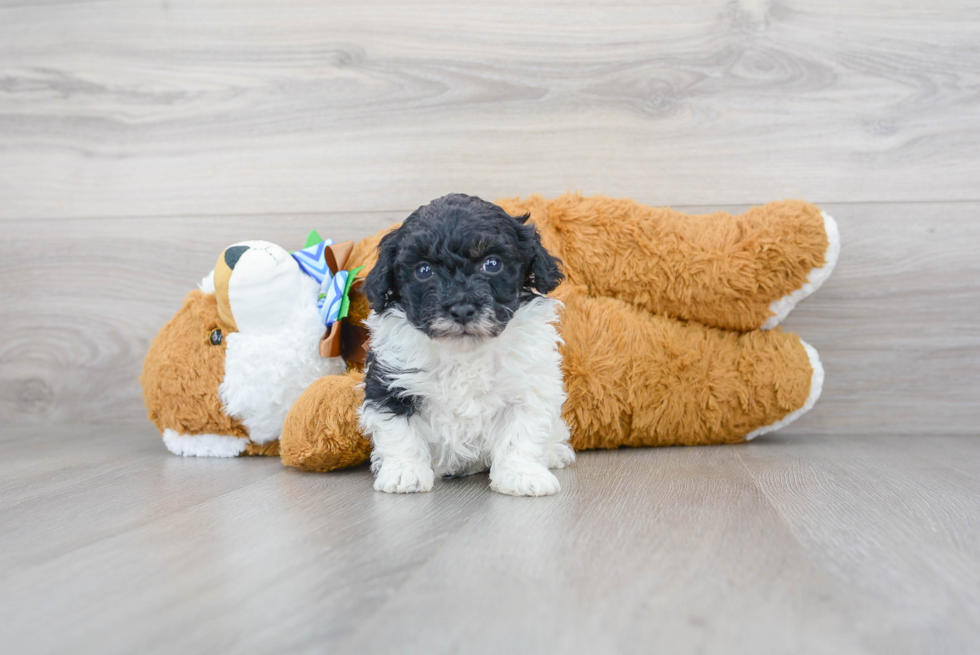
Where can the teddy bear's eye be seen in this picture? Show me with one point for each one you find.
(215, 337)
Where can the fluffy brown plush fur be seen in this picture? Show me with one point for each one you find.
(182, 371)
(270, 449)
(323, 426)
(639, 379)
(717, 269)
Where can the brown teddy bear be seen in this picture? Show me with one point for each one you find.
(667, 328)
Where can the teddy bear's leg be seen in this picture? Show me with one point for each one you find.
(321, 431)
(735, 272)
(638, 379)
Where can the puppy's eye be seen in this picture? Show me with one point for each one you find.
(215, 337)
(492, 265)
(423, 271)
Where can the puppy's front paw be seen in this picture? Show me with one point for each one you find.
(527, 479)
(403, 478)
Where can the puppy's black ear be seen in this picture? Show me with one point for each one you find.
(542, 270)
(380, 286)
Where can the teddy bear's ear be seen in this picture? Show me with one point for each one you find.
(380, 286)
(542, 271)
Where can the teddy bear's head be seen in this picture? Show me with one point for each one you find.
(221, 375)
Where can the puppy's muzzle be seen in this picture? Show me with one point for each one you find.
(465, 319)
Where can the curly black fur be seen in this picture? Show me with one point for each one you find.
(455, 235)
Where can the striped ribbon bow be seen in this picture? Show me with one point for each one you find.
(324, 261)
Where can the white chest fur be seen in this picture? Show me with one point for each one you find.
(477, 396)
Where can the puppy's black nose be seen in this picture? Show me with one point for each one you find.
(462, 311)
(233, 254)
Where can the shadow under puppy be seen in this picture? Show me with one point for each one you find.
(464, 372)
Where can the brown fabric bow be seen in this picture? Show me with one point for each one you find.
(342, 338)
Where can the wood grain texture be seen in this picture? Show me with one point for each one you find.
(191, 107)
(897, 325)
(820, 545)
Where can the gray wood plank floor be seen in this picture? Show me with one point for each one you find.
(804, 544)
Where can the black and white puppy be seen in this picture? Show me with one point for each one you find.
(464, 372)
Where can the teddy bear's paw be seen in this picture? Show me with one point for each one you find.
(816, 387)
(560, 455)
(396, 477)
(781, 307)
(204, 445)
(523, 479)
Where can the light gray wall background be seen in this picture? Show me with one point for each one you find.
(137, 139)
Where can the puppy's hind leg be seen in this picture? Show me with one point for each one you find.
(522, 455)
(401, 459)
(558, 452)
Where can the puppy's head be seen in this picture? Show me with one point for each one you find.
(460, 266)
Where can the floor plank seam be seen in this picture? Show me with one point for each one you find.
(769, 500)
